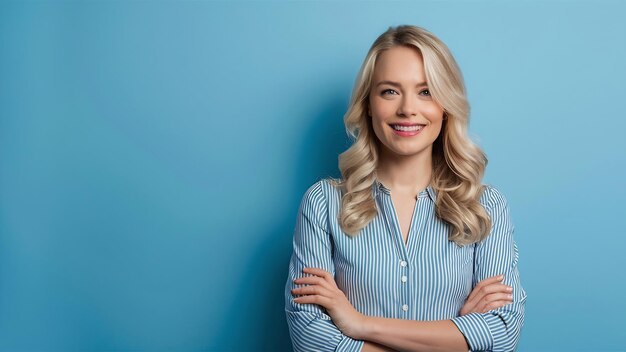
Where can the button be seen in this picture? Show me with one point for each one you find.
(405, 307)
(403, 263)
(403, 278)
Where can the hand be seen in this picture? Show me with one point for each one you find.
(487, 295)
(322, 290)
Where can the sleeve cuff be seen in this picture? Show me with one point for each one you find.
(476, 328)
(348, 344)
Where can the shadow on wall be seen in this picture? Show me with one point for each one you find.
(258, 301)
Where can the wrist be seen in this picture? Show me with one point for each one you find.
(362, 327)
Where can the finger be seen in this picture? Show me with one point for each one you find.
(467, 308)
(321, 273)
(482, 292)
(486, 290)
(485, 282)
(494, 297)
(498, 296)
(495, 305)
(314, 299)
(494, 288)
(312, 290)
(312, 280)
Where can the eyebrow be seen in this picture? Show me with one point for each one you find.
(396, 84)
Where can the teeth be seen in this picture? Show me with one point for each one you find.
(407, 128)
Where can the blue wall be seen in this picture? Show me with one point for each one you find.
(153, 156)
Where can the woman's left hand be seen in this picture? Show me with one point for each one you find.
(323, 291)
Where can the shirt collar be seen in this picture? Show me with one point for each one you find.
(379, 188)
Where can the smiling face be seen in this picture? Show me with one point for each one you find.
(405, 118)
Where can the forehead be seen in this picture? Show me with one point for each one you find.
(400, 64)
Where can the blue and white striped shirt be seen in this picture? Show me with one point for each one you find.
(428, 278)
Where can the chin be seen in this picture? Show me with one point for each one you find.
(410, 153)
(404, 152)
(407, 150)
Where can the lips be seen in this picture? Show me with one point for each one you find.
(407, 123)
(407, 127)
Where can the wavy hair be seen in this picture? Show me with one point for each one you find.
(458, 163)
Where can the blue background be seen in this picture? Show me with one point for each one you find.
(153, 156)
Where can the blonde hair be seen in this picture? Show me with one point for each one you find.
(458, 163)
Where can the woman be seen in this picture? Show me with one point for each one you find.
(405, 252)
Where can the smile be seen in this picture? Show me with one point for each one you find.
(407, 131)
(412, 128)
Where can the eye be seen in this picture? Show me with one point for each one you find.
(386, 90)
(425, 90)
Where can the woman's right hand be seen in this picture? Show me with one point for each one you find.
(487, 295)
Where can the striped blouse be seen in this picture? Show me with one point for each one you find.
(428, 278)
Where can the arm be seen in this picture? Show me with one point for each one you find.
(402, 334)
(369, 346)
(495, 330)
(487, 295)
(498, 329)
(411, 335)
(311, 329)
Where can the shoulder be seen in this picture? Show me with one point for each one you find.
(319, 198)
(314, 194)
(493, 199)
(497, 207)
(324, 188)
(320, 192)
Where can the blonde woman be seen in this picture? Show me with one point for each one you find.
(408, 251)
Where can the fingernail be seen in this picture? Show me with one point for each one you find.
(509, 296)
(501, 277)
(510, 289)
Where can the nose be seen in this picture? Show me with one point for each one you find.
(408, 106)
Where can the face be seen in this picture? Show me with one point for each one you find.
(405, 118)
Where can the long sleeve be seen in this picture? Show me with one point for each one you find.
(498, 329)
(311, 329)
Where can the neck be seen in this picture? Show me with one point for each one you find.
(406, 175)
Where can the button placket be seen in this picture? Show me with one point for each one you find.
(403, 264)
(405, 288)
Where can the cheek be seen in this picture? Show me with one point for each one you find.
(382, 107)
(433, 112)
(378, 127)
